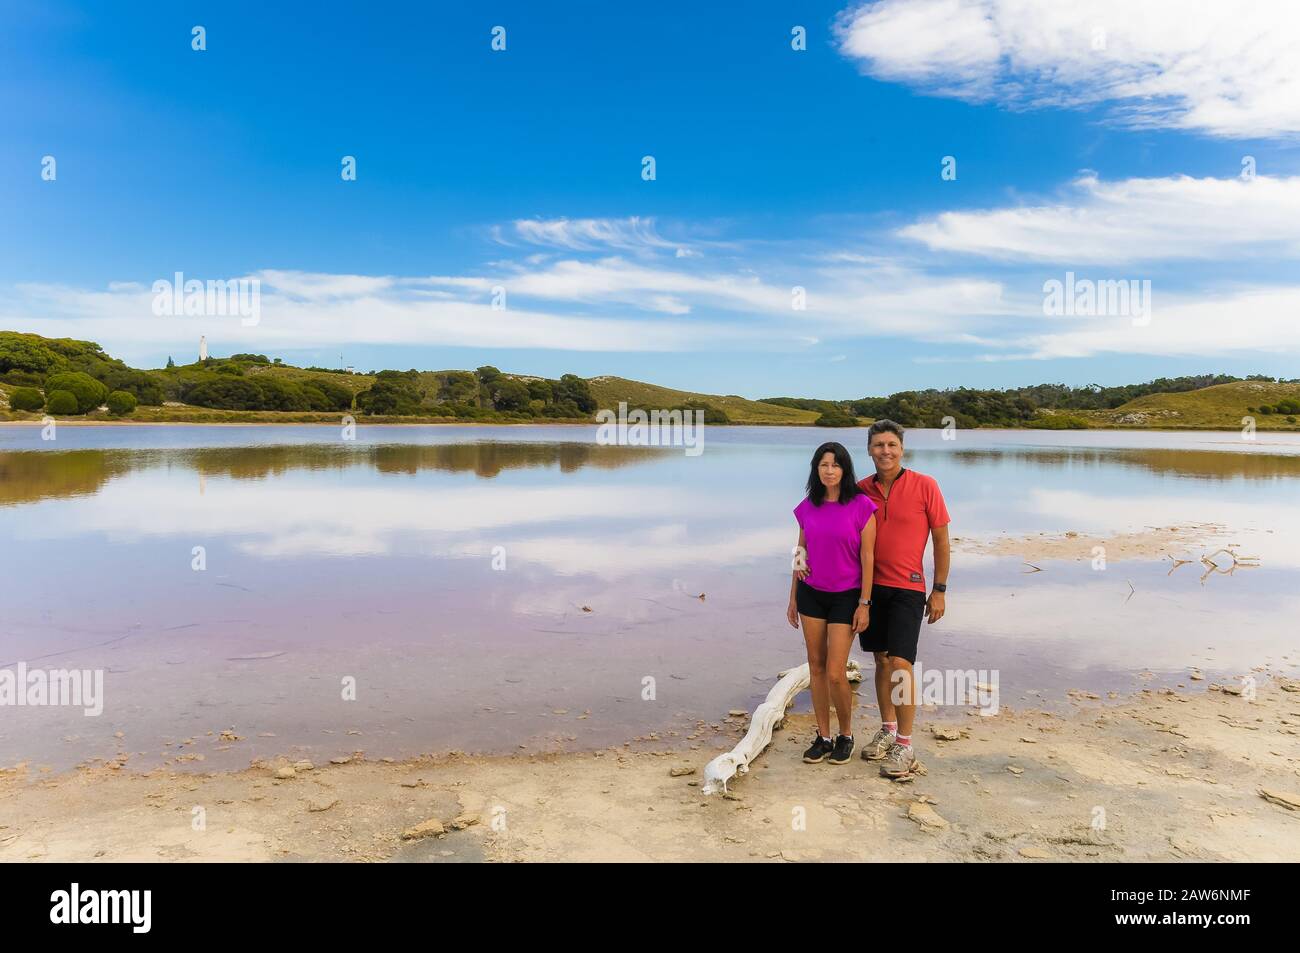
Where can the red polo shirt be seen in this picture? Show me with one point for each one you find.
(903, 523)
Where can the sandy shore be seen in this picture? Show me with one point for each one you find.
(1156, 776)
(1148, 543)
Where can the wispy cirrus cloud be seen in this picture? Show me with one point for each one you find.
(590, 234)
(1223, 69)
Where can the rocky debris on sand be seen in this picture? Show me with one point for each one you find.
(680, 771)
(344, 759)
(947, 733)
(303, 765)
(1034, 853)
(228, 735)
(430, 828)
(1014, 770)
(1283, 798)
(285, 772)
(462, 821)
(1083, 837)
(737, 713)
(319, 805)
(926, 816)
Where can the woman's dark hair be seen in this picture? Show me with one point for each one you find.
(848, 480)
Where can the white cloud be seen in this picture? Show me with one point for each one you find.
(1131, 220)
(640, 307)
(592, 234)
(1226, 69)
(310, 310)
(1259, 321)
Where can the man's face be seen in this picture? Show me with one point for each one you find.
(886, 451)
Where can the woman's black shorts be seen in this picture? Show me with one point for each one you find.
(834, 607)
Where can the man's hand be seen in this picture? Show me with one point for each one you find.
(792, 614)
(861, 619)
(935, 607)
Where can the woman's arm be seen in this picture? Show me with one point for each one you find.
(800, 559)
(862, 615)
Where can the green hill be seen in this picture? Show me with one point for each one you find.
(608, 391)
(1220, 407)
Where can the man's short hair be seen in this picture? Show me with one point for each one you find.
(884, 426)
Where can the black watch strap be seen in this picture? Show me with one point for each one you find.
(940, 587)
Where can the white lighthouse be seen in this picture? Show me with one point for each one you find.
(203, 348)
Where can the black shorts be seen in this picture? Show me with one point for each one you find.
(834, 607)
(895, 626)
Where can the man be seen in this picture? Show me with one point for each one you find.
(910, 509)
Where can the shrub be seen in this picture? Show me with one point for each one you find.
(389, 396)
(61, 402)
(1059, 422)
(509, 394)
(26, 398)
(833, 419)
(573, 389)
(85, 390)
(716, 415)
(121, 403)
(225, 393)
(337, 396)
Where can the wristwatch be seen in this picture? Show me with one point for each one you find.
(864, 602)
(940, 587)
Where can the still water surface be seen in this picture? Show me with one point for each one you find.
(450, 570)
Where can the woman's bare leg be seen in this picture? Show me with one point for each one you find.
(814, 635)
(840, 639)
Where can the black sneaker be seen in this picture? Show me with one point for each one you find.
(842, 750)
(821, 747)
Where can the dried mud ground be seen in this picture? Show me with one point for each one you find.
(1204, 775)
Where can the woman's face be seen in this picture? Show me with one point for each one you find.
(829, 470)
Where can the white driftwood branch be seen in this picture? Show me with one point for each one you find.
(766, 717)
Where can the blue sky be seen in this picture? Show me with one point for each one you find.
(1084, 143)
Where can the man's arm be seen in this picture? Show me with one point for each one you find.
(942, 558)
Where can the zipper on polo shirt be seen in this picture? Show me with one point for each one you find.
(884, 510)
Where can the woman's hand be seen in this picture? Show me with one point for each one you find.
(792, 614)
(861, 619)
(800, 562)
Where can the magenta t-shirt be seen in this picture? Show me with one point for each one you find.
(833, 534)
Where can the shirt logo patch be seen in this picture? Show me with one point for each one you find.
(916, 577)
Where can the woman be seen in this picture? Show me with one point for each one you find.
(837, 538)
